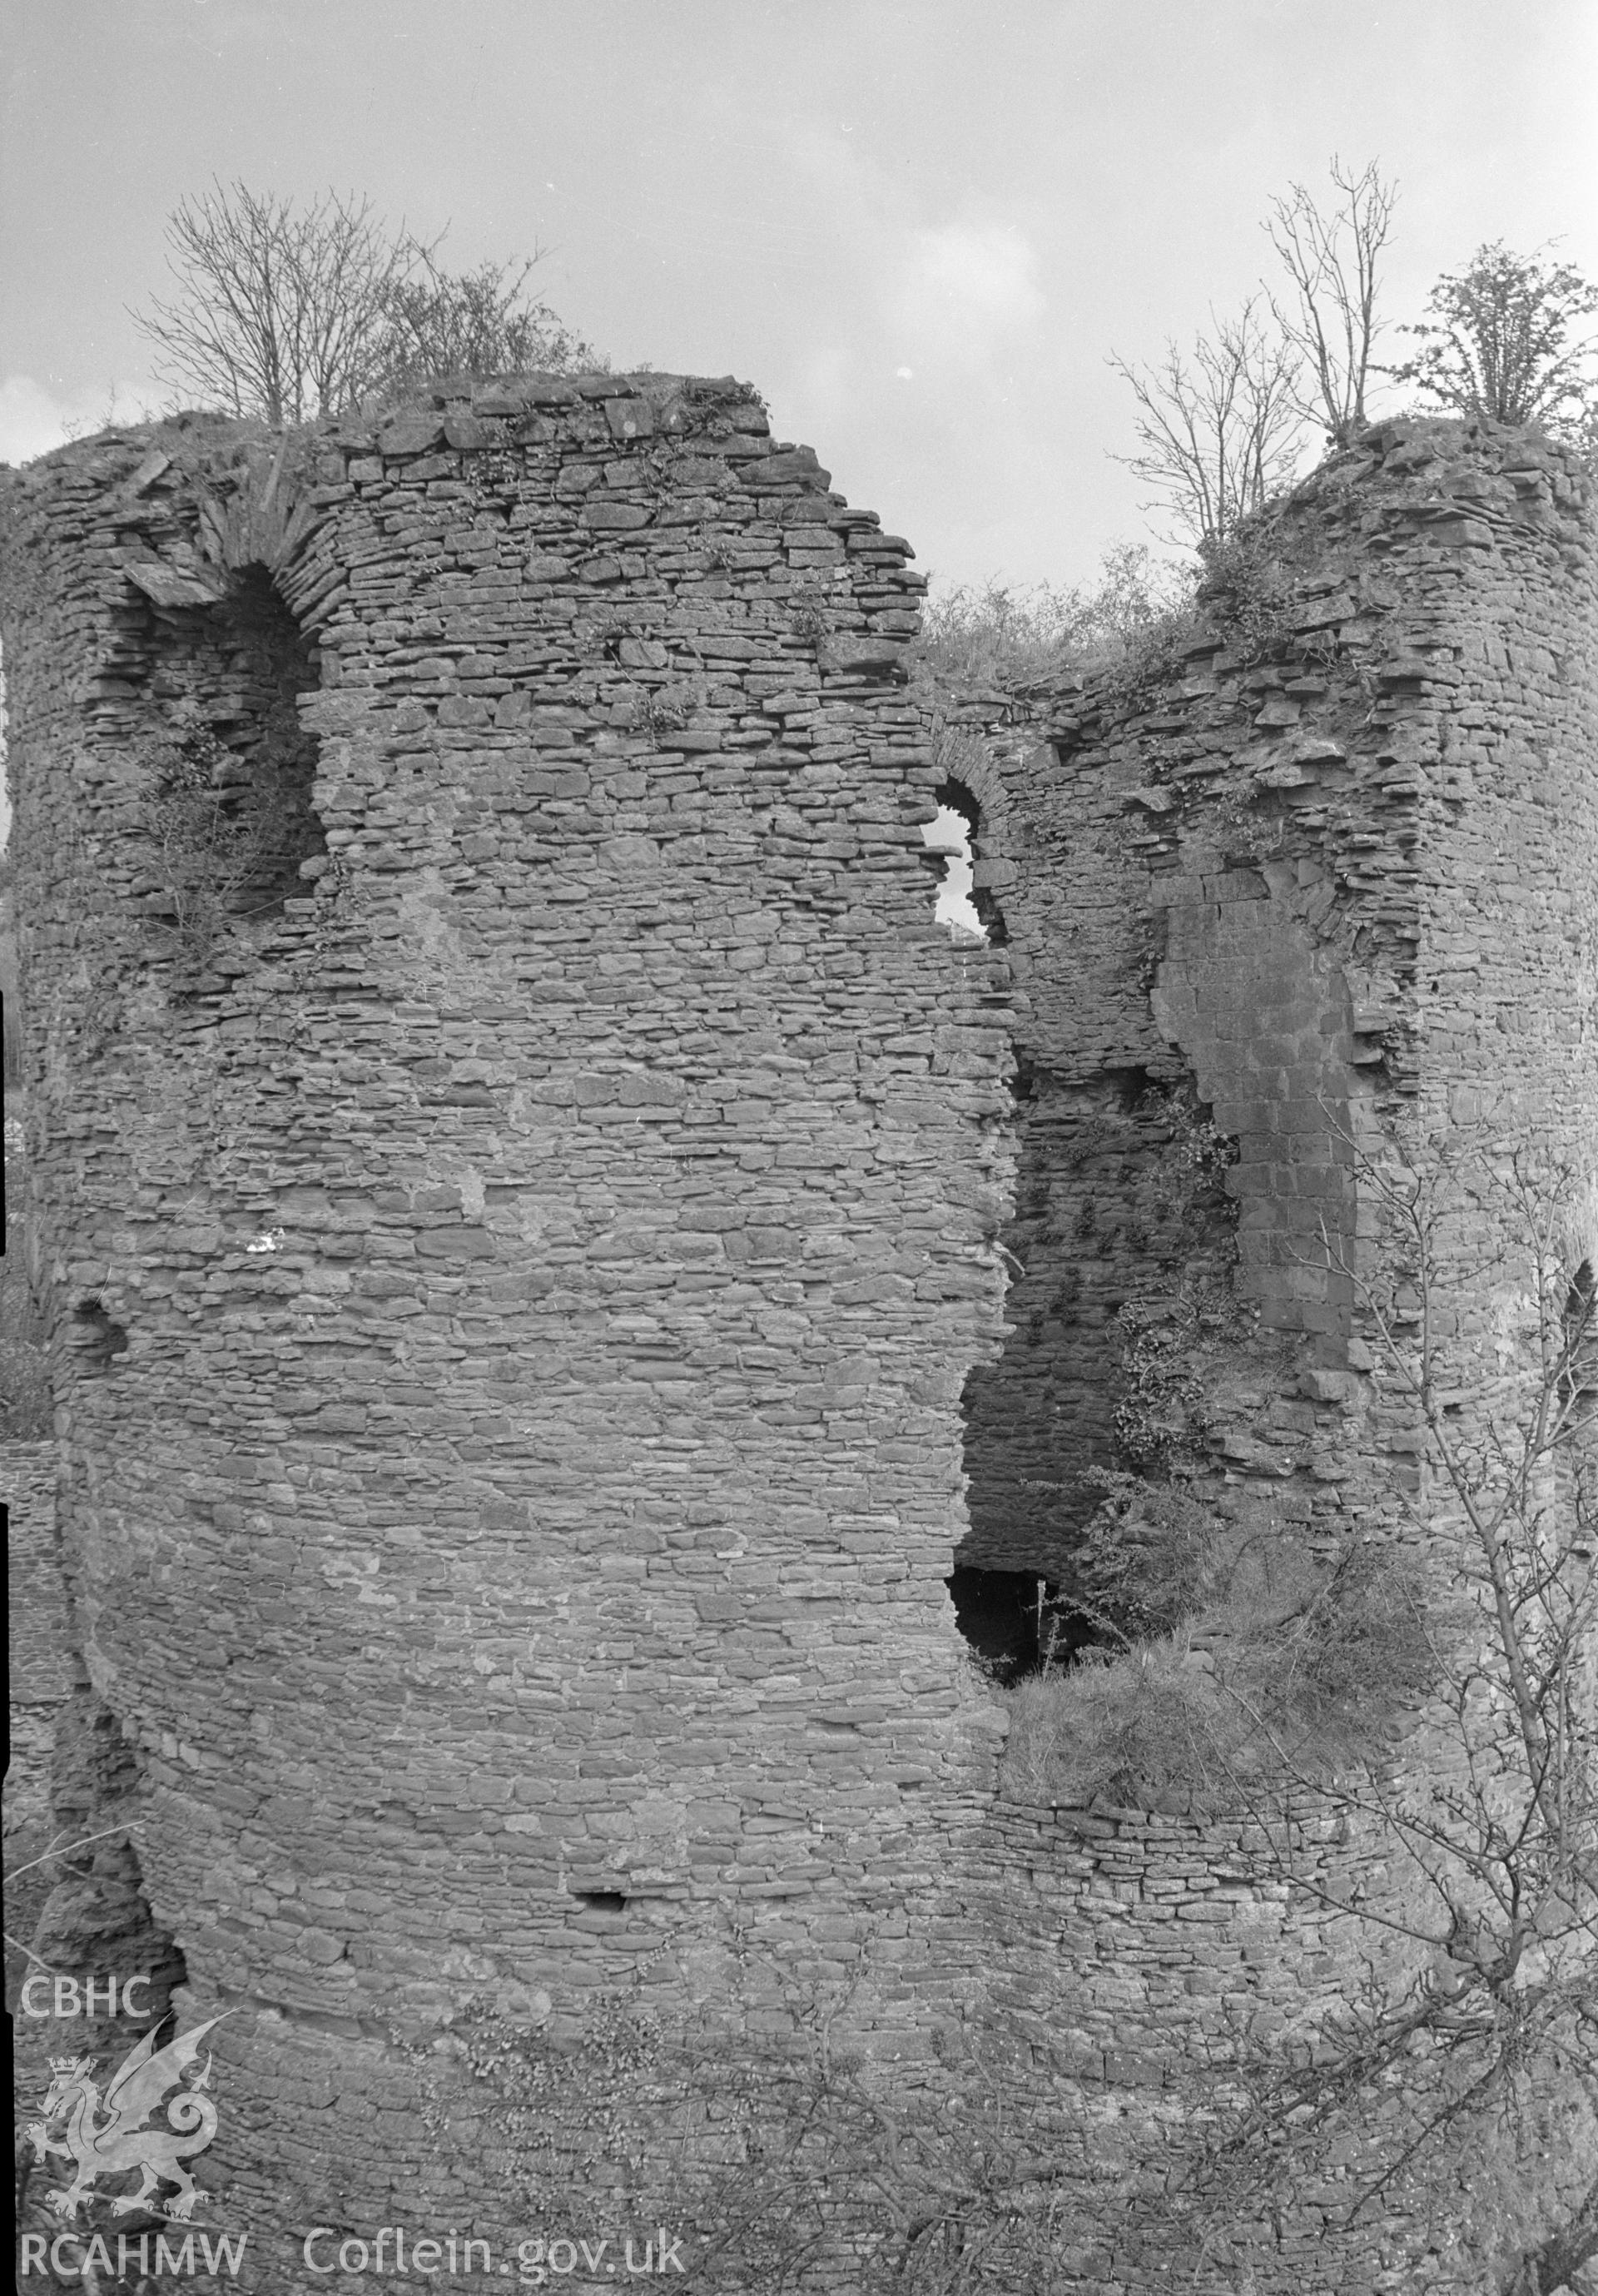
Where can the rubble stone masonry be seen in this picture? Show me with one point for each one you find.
(532, 1273)
(1331, 878)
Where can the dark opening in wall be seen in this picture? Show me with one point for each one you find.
(96, 1340)
(1005, 1616)
(231, 763)
(1121, 1247)
(269, 664)
(601, 1901)
(1131, 1085)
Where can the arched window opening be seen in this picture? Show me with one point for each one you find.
(265, 760)
(230, 761)
(966, 909)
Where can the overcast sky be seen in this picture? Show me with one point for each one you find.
(918, 228)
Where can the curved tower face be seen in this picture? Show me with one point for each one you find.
(517, 1167)
(539, 1223)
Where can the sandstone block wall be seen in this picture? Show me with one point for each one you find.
(1331, 876)
(36, 1627)
(514, 1275)
(530, 1273)
(1179, 1959)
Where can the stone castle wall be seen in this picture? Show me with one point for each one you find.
(515, 1289)
(534, 1282)
(1331, 878)
(37, 1631)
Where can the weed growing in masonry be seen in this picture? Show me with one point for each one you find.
(1245, 838)
(204, 844)
(657, 712)
(1162, 1418)
(782, 2161)
(1252, 592)
(1172, 1338)
(1204, 1154)
(567, 2116)
(808, 620)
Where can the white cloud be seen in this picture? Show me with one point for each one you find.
(970, 283)
(33, 420)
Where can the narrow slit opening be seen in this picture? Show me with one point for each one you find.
(950, 839)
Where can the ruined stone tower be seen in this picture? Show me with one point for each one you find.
(554, 1256)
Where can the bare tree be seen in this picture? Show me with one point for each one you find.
(477, 322)
(281, 314)
(1500, 343)
(1220, 428)
(1498, 1828)
(1331, 259)
(291, 314)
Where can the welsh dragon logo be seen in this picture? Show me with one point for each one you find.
(107, 2137)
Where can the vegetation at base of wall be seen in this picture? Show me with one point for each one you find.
(1227, 1656)
(761, 2136)
(776, 2154)
(1412, 2099)
(1242, 1674)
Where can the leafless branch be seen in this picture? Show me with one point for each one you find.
(1332, 261)
(1219, 427)
(280, 313)
(290, 313)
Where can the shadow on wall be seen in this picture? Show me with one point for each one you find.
(1122, 1251)
(229, 815)
(1009, 1621)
